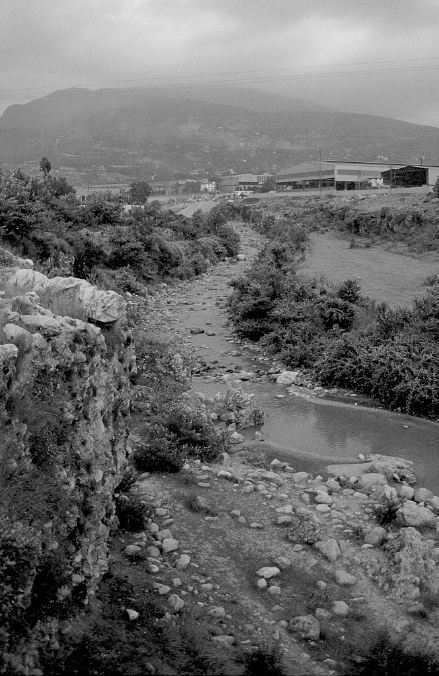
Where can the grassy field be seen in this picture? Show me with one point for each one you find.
(383, 275)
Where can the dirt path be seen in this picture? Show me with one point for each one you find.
(385, 276)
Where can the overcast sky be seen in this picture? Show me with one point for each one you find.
(301, 48)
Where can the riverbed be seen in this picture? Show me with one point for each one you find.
(301, 427)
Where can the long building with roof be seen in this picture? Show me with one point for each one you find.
(347, 175)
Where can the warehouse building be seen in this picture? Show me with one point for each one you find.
(243, 182)
(332, 174)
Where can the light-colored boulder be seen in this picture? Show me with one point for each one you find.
(8, 351)
(340, 608)
(412, 514)
(287, 377)
(323, 499)
(28, 280)
(368, 481)
(283, 562)
(14, 333)
(329, 549)
(236, 438)
(306, 626)
(407, 492)
(422, 495)
(344, 578)
(375, 536)
(268, 572)
(176, 603)
(300, 477)
(170, 545)
(47, 326)
(183, 562)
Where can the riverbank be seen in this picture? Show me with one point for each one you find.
(277, 550)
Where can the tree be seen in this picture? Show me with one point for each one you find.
(139, 192)
(269, 184)
(45, 167)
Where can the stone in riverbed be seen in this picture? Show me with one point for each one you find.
(329, 548)
(287, 377)
(170, 545)
(412, 514)
(268, 572)
(344, 578)
(306, 626)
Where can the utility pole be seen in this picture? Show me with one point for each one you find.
(320, 173)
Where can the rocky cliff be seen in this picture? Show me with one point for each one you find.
(64, 411)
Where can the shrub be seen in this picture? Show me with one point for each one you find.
(161, 453)
(386, 657)
(131, 512)
(230, 238)
(266, 660)
(126, 280)
(385, 511)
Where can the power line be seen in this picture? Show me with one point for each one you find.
(242, 80)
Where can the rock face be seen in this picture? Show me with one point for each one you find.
(67, 397)
(101, 306)
(413, 564)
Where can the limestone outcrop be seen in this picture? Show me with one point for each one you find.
(64, 412)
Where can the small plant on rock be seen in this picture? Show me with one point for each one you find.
(386, 510)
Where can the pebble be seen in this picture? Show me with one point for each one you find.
(132, 550)
(183, 562)
(217, 612)
(176, 603)
(132, 614)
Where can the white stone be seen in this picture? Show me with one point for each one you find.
(170, 545)
(372, 479)
(323, 509)
(344, 578)
(323, 499)
(176, 603)
(286, 509)
(132, 550)
(183, 562)
(412, 514)
(262, 583)
(407, 492)
(422, 495)
(329, 548)
(340, 608)
(300, 477)
(274, 590)
(268, 572)
(132, 614)
(287, 377)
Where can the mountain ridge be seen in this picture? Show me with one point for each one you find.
(114, 135)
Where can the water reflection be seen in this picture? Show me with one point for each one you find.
(340, 432)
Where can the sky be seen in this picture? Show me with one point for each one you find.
(374, 57)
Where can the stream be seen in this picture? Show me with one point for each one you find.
(305, 430)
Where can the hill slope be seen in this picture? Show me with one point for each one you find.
(120, 134)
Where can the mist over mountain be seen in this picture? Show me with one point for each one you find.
(120, 134)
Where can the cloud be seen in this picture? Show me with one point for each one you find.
(47, 45)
